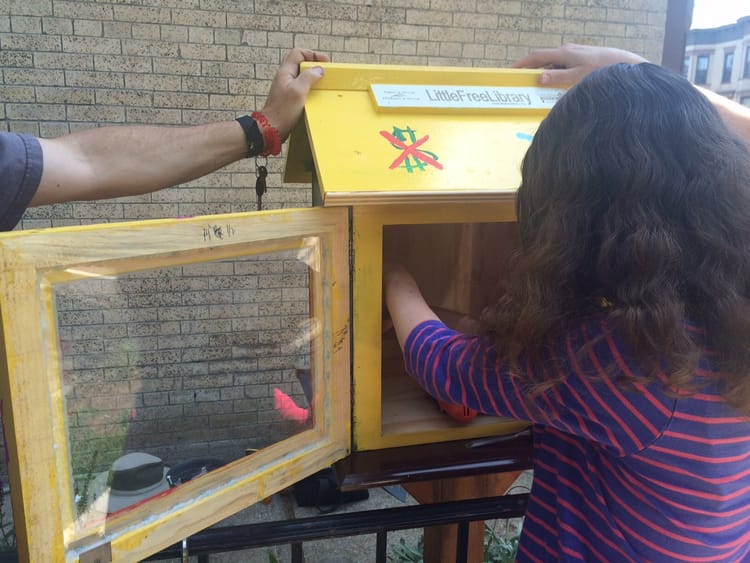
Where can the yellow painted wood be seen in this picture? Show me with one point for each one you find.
(31, 262)
(367, 241)
(477, 153)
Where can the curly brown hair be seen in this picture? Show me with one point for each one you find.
(635, 194)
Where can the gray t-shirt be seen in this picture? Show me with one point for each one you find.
(20, 174)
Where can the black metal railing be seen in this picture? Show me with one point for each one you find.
(379, 522)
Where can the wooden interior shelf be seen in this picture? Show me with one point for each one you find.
(406, 407)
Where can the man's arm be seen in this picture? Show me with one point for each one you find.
(569, 64)
(117, 161)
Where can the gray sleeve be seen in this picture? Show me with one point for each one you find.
(20, 173)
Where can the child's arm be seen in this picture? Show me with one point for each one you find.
(405, 303)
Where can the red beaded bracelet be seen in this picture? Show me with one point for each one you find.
(271, 136)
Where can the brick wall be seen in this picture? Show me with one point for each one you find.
(69, 64)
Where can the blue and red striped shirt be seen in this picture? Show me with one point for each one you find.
(632, 473)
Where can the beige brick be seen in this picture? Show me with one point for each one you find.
(65, 95)
(235, 102)
(429, 17)
(23, 127)
(152, 82)
(454, 6)
(4, 24)
(520, 24)
(51, 129)
(150, 48)
(605, 29)
(174, 33)
(174, 195)
(458, 35)
(93, 79)
(627, 16)
(201, 35)
(381, 14)
(283, 7)
(448, 49)
(14, 41)
(396, 31)
(88, 27)
(117, 29)
(357, 29)
(180, 100)
(16, 59)
(148, 31)
(253, 21)
(112, 96)
(563, 26)
(148, 115)
(498, 7)
(204, 84)
(140, 14)
(356, 45)
(428, 48)
(543, 9)
(407, 3)
(235, 70)
(404, 47)
(540, 40)
(199, 18)
(472, 51)
(196, 117)
(73, 61)
(35, 112)
(305, 24)
(307, 41)
(182, 67)
(126, 64)
(88, 10)
(474, 21)
(102, 45)
(203, 52)
(18, 94)
(25, 24)
(381, 46)
(254, 55)
(286, 40)
(100, 114)
(235, 36)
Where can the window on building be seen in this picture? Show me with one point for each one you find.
(726, 75)
(701, 69)
(686, 66)
(746, 72)
(745, 101)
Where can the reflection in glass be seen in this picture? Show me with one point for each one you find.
(171, 373)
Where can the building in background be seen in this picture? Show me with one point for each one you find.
(719, 59)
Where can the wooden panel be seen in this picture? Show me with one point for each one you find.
(32, 262)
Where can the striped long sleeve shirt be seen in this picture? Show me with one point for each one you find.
(620, 474)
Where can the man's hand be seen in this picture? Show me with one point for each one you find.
(568, 64)
(289, 90)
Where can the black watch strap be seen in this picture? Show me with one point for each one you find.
(253, 136)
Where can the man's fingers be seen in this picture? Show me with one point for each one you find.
(541, 58)
(309, 77)
(561, 76)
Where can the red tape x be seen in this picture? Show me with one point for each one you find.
(410, 150)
